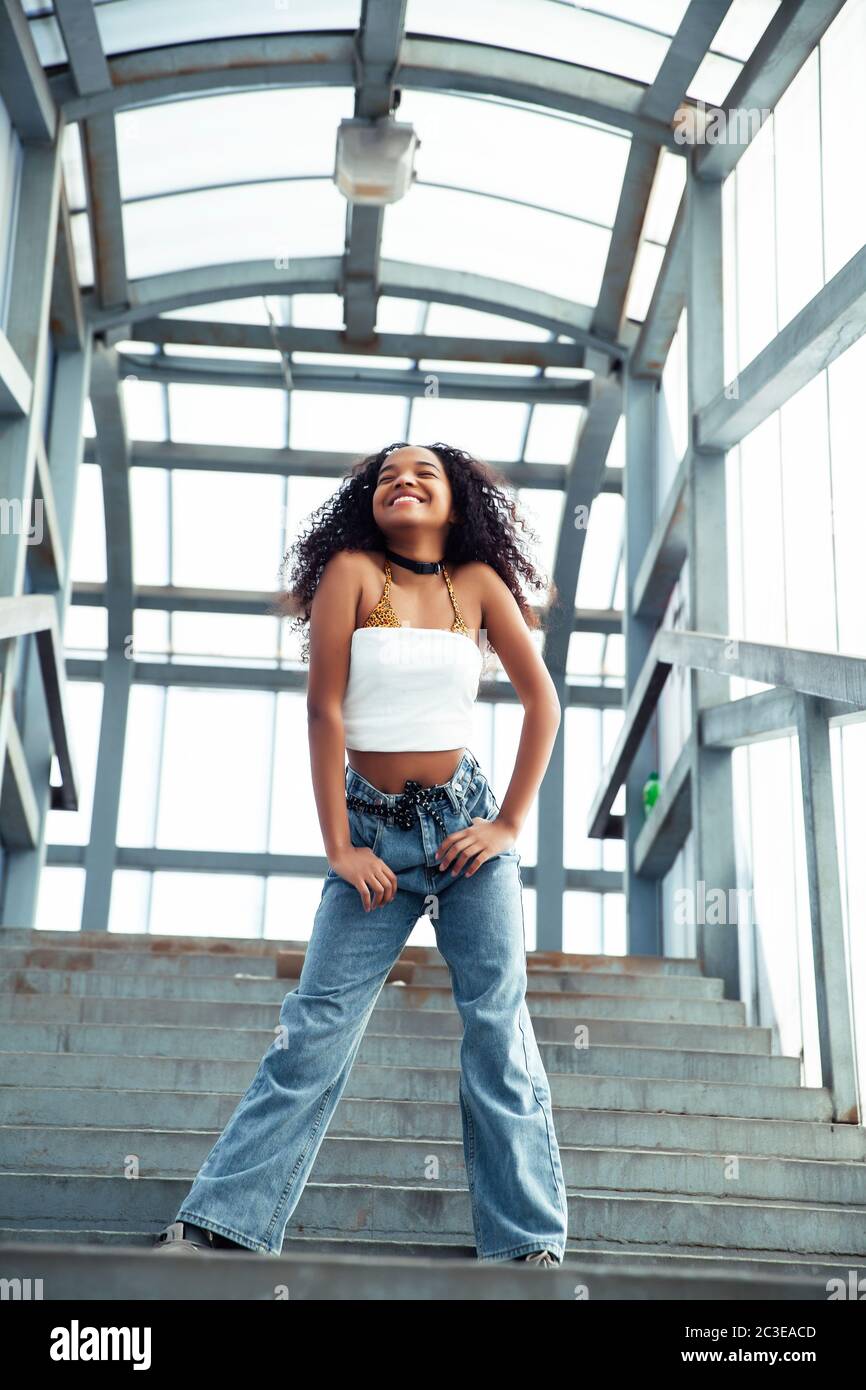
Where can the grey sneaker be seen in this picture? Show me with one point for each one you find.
(183, 1238)
(541, 1257)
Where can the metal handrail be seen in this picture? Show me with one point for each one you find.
(24, 615)
(833, 676)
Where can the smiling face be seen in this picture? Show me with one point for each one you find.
(413, 495)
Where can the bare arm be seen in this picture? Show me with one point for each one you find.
(542, 712)
(332, 622)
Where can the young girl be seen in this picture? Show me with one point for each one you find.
(414, 558)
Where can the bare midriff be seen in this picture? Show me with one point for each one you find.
(390, 771)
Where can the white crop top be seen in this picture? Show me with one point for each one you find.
(410, 689)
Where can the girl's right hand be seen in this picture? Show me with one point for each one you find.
(375, 882)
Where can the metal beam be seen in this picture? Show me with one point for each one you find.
(168, 598)
(643, 908)
(417, 347)
(16, 387)
(160, 294)
(669, 295)
(821, 332)
(581, 489)
(666, 550)
(90, 72)
(112, 451)
(684, 56)
(427, 63)
(24, 87)
(829, 954)
(264, 865)
(669, 822)
(67, 316)
(832, 676)
(373, 380)
(165, 673)
(793, 32)
(315, 463)
(377, 44)
(765, 715)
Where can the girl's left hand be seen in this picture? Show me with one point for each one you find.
(480, 841)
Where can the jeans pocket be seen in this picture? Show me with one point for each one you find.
(365, 829)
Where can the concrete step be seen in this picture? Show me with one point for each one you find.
(612, 1126)
(609, 1020)
(611, 1053)
(380, 1211)
(209, 1090)
(592, 1002)
(191, 965)
(590, 1254)
(404, 1162)
(106, 1273)
(175, 945)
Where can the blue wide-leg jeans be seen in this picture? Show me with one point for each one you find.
(253, 1177)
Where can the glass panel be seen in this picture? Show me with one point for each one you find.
(73, 167)
(843, 62)
(454, 320)
(84, 705)
(808, 519)
(646, 272)
(357, 424)
(61, 898)
(465, 231)
(582, 923)
(491, 430)
(228, 639)
(247, 415)
(141, 766)
(763, 544)
(238, 137)
(550, 29)
(227, 530)
(247, 222)
(756, 245)
(670, 180)
(294, 816)
(742, 26)
(846, 376)
(149, 490)
(216, 769)
(673, 413)
(202, 904)
(714, 79)
(799, 251)
(130, 901)
(85, 630)
(600, 552)
(486, 145)
(290, 906)
(144, 405)
(87, 562)
(553, 432)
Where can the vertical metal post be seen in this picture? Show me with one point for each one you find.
(28, 334)
(641, 442)
(835, 1029)
(64, 448)
(711, 780)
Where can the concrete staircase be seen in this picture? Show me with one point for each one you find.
(697, 1165)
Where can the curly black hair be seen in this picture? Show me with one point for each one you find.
(489, 529)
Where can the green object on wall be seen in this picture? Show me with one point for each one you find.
(651, 792)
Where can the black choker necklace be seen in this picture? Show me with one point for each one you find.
(419, 566)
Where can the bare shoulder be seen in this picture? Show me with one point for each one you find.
(480, 581)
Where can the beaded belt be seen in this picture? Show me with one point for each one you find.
(402, 813)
